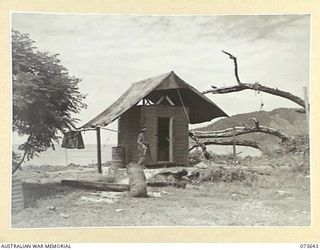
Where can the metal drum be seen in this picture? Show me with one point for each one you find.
(118, 157)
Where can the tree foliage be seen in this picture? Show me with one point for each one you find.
(44, 97)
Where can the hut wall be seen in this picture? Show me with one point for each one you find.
(136, 117)
(129, 127)
(149, 118)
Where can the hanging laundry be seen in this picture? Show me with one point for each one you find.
(72, 140)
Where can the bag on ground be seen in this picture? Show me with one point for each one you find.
(137, 180)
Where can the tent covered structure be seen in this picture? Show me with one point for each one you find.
(201, 108)
(165, 104)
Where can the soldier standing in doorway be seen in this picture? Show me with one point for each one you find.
(143, 146)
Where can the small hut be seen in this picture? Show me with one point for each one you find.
(166, 105)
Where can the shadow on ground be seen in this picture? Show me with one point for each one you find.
(32, 192)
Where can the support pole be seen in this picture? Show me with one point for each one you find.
(66, 156)
(234, 146)
(99, 150)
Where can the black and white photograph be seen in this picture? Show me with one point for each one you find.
(140, 120)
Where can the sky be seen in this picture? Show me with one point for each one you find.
(109, 52)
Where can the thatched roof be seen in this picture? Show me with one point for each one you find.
(201, 108)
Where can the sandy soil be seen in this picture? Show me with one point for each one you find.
(279, 199)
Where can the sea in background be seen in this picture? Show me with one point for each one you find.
(62, 156)
(88, 155)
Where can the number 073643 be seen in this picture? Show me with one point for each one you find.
(309, 245)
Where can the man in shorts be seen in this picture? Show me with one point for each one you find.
(143, 146)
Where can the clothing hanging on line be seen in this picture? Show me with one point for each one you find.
(73, 140)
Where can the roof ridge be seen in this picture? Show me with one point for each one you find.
(141, 89)
(165, 75)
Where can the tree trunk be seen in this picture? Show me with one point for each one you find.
(240, 131)
(229, 142)
(20, 163)
(224, 137)
(22, 159)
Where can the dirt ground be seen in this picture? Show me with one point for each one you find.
(279, 199)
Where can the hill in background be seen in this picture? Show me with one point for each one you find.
(288, 121)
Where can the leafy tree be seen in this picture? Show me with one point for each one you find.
(44, 98)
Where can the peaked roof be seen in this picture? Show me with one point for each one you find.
(201, 108)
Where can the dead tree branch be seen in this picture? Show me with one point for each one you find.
(257, 87)
(253, 86)
(201, 145)
(235, 66)
(228, 142)
(257, 128)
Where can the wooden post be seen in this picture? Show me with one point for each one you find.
(99, 150)
(234, 146)
(306, 103)
(118, 133)
(66, 156)
(171, 139)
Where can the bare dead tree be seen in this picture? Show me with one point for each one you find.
(253, 86)
(228, 142)
(256, 128)
(224, 137)
(235, 66)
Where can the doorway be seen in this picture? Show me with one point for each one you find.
(165, 149)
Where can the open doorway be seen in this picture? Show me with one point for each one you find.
(165, 139)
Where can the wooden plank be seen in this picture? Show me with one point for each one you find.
(96, 185)
(169, 100)
(17, 200)
(130, 124)
(160, 100)
(16, 188)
